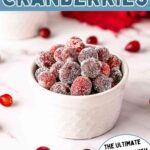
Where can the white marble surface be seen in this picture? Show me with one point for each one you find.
(18, 55)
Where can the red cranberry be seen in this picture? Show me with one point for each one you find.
(102, 83)
(133, 46)
(45, 59)
(75, 43)
(45, 32)
(43, 148)
(46, 79)
(81, 86)
(114, 61)
(60, 88)
(55, 47)
(87, 53)
(6, 100)
(90, 68)
(92, 40)
(105, 69)
(103, 53)
(69, 72)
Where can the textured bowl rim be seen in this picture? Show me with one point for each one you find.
(124, 67)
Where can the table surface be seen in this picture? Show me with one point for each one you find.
(18, 55)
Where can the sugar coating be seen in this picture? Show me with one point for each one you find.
(69, 53)
(105, 69)
(116, 75)
(39, 70)
(102, 83)
(58, 54)
(87, 53)
(56, 67)
(55, 47)
(103, 53)
(81, 86)
(46, 79)
(60, 88)
(91, 68)
(69, 72)
(76, 43)
(114, 61)
(45, 59)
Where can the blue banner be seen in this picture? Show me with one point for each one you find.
(57, 5)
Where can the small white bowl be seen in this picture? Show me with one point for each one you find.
(78, 117)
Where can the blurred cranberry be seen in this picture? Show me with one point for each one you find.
(6, 100)
(92, 40)
(43, 148)
(133, 46)
(45, 32)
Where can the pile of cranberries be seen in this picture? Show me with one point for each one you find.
(77, 69)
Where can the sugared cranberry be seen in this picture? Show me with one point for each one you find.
(102, 83)
(114, 61)
(103, 53)
(69, 53)
(75, 43)
(56, 67)
(43, 148)
(39, 70)
(46, 79)
(60, 88)
(58, 54)
(133, 46)
(90, 68)
(45, 32)
(105, 69)
(87, 53)
(69, 72)
(92, 40)
(81, 86)
(45, 59)
(54, 47)
(116, 75)
(6, 100)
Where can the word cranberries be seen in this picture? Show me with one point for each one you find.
(78, 69)
(133, 46)
(92, 40)
(6, 100)
(43, 148)
(44, 32)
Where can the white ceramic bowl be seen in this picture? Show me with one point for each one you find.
(21, 25)
(78, 117)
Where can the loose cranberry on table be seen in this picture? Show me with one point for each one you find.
(133, 46)
(92, 40)
(43, 148)
(44, 32)
(6, 100)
